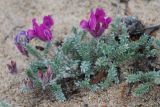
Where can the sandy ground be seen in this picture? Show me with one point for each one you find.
(16, 15)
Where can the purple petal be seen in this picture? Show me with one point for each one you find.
(100, 13)
(47, 34)
(12, 67)
(108, 21)
(92, 21)
(84, 24)
(28, 83)
(21, 38)
(49, 72)
(48, 21)
(93, 33)
(22, 49)
(36, 27)
(40, 75)
(97, 27)
(100, 32)
(31, 34)
(42, 31)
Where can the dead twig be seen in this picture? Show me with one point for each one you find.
(151, 29)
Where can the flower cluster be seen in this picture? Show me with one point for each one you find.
(97, 22)
(46, 77)
(96, 25)
(21, 40)
(40, 31)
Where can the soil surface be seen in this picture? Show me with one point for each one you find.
(16, 15)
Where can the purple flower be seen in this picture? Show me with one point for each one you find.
(28, 83)
(45, 77)
(48, 21)
(21, 40)
(97, 22)
(42, 31)
(12, 67)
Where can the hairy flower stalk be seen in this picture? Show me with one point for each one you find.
(21, 40)
(41, 31)
(97, 22)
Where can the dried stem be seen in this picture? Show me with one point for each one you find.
(151, 29)
(154, 26)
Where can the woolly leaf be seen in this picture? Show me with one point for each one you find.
(33, 51)
(86, 68)
(158, 44)
(157, 81)
(102, 62)
(84, 51)
(132, 78)
(112, 74)
(36, 65)
(142, 89)
(29, 73)
(85, 84)
(47, 47)
(149, 76)
(116, 24)
(57, 90)
(74, 30)
(106, 49)
(4, 104)
(105, 84)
